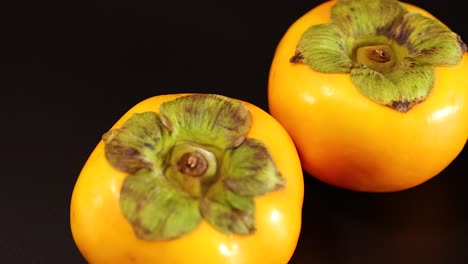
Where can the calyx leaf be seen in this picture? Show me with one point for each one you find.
(320, 49)
(389, 51)
(398, 90)
(207, 119)
(249, 170)
(157, 210)
(138, 144)
(229, 212)
(361, 19)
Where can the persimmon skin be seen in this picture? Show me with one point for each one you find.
(103, 235)
(346, 140)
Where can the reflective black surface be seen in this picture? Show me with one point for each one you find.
(70, 69)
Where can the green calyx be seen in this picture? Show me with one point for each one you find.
(389, 51)
(189, 162)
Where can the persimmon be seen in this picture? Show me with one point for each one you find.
(374, 93)
(190, 178)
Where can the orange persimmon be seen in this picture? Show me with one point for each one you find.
(190, 178)
(373, 93)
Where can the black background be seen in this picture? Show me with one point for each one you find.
(70, 69)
